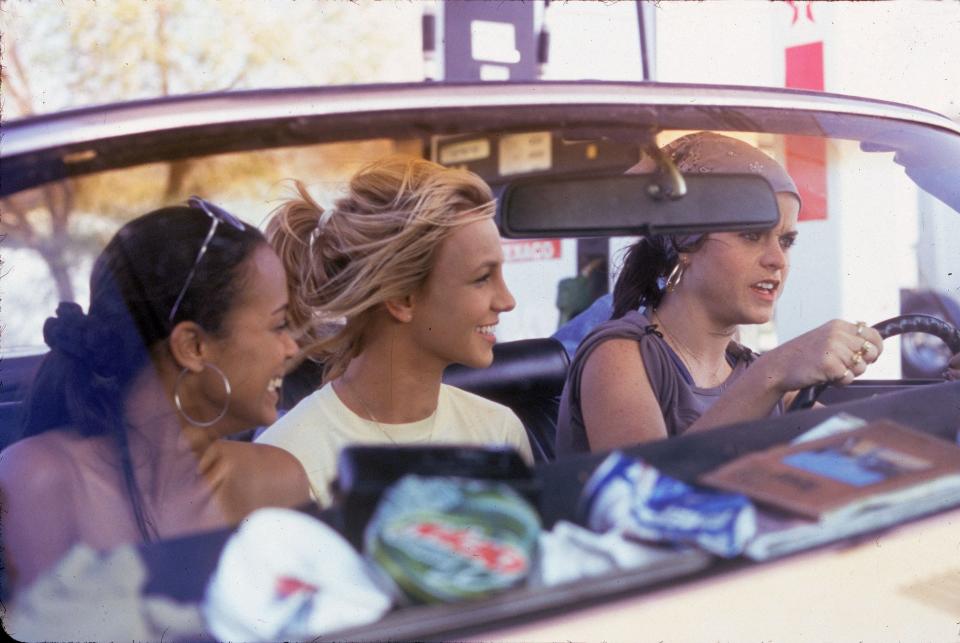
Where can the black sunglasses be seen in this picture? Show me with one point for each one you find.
(217, 215)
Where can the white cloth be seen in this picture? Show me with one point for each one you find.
(317, 428)
(569, 553)
(89, 596)
(286, 576)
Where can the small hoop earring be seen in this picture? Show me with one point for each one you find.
(673, 281)
(179, 404)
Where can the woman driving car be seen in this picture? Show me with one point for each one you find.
(667, 361)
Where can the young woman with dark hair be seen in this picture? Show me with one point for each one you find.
(185, 342)
(666, 362)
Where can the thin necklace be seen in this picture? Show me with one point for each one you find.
(682, 349)
(366, 409)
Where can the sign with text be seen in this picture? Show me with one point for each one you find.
(530, 249)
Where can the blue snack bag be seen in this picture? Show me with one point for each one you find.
(631, 496)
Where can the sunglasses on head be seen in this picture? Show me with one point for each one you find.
(217, 216)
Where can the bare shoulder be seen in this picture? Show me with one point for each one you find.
(45, 464)
(614, 371)
(264, 475)
(615, 358)
(616, 398)
(39, 477)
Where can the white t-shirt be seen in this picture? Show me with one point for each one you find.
(317, 428)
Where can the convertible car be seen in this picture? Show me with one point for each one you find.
(880, 222)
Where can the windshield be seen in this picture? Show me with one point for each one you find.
(878, 230)
(877, 235)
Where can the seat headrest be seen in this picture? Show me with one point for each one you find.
(526, 366)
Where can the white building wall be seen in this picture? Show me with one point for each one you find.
(534, 285)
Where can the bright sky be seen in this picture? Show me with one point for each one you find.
(904, 51)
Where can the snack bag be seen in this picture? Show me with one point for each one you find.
(628, 495)
(442, 540)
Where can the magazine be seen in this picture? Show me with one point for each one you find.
(779, 534)
(833, 477)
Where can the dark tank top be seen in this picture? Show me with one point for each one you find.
(681, 401)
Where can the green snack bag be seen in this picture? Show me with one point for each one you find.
(443, 540)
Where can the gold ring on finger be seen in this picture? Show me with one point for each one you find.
(846, 373)
(860, 328)
(857, 358)
(867, 345)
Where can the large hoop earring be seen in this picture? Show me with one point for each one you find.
(675, 276)
(179, 404)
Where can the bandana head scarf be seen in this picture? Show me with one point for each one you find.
(708, 152)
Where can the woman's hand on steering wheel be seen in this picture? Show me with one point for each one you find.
(915, 323)
(836, 352)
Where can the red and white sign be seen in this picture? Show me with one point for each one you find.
(806, 156)
(530, 249)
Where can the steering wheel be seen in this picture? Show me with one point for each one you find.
(888, 328)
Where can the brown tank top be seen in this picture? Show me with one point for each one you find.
(681, 401)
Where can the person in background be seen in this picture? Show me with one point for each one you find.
(675, 366)
(185, 342)
(575, 294)
(572, 332)
(402, 278)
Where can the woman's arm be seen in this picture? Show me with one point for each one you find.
(288, 482)
(617, 402)
(254, 476)
(619, 406)
(752, 396)
(36, 512)
(824, 354)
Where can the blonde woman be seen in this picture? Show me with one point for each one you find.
(407, 271)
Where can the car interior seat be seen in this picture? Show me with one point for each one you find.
(17, 375)
(527, 375)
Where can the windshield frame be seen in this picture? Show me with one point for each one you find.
(51, 147)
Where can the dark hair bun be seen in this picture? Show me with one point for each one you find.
(68, 330)
(75, 334)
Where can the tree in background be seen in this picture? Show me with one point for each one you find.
(60, 56)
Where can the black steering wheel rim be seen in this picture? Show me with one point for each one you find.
(889, 328)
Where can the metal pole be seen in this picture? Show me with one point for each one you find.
(646, 43)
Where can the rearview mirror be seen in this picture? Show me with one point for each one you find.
(589, 206)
